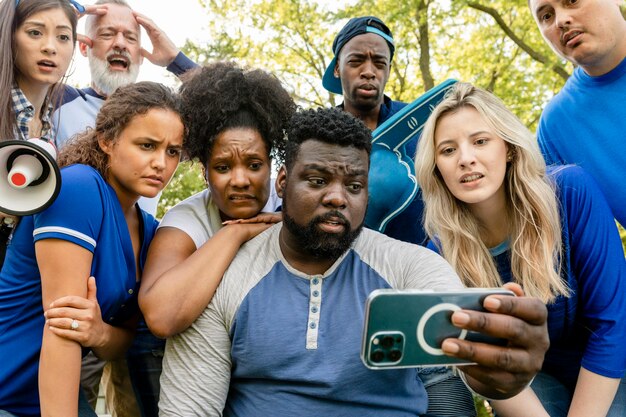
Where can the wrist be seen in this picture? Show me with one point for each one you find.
(494, 393)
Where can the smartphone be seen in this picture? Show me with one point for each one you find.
(405, 328)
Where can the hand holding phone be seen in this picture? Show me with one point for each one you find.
(405, 328)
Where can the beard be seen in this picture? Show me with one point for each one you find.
(107, 81)
(317, 243)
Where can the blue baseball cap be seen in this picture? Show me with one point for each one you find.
(355, 26)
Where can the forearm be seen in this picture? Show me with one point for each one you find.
(172, 301)
(593, 395)
(59, 366)
(116, 341)
(526, 403)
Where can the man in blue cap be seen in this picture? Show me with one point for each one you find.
(363, 50)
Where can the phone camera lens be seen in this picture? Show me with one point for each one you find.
(395, 355)
(377, 356)
(387, 342)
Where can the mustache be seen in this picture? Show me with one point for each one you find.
(332, 216)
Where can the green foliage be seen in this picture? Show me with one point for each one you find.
(494, 44)
(187, 180)
(483, 409)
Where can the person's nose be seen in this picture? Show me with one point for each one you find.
(159, 160)
(467, 156)
(119, 41)
(49, 46)
(563, 19)
(239, 178)
(335, 196)
(367, 70)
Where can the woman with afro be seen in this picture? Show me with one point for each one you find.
(236, 120)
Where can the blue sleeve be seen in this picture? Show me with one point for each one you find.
(76, 215)
(597, 260)
(181, 64)
(546, 143)
(433, 247)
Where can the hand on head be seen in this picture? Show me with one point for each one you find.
(163, 49)
(96, 10)
(503, 371)
(78, 319)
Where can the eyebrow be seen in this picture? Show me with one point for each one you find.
(43, 25)
(321, 168)
(114, 28)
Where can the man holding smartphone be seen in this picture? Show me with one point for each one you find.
(282, 334)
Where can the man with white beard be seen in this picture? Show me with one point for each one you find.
(113, 46)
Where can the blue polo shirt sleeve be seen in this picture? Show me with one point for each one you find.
(76, 215)
(597, 260)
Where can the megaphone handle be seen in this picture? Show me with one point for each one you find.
(7, 226)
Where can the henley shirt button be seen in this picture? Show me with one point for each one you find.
(316, 293)
(312, 325)
(314, 309)
(316, 281)
(130, 291)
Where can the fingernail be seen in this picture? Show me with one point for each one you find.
(449, 347)
(492, 303)
(460, 318)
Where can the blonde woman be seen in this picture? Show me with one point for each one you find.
(498, 215)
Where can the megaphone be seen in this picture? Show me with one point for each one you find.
(30, 179)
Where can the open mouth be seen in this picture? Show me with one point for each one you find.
(569, 36)
(118, 62)
(46, 63)
(240, 197)
(471, 178)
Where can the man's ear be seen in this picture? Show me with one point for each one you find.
(336, 70)
(83, 44)
(281, 181)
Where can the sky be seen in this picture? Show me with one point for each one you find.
(180, 19)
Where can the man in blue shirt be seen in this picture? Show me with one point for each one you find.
(585, 123)
(363, 50)
(282, 334)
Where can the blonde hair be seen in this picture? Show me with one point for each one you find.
(532, 206)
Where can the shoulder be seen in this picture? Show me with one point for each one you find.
(80, 175)
(569, 175)
(405, 265)
(195, 206)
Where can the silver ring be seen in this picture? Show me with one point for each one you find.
(74, 325)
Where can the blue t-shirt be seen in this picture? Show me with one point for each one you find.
(87, 213)
(585, 124)
(589, 328)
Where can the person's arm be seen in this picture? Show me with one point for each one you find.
(524, 404)
(197, 367)
(593, 395)
(106, 341)
(64, 269)
(502, 371)
(179, 281)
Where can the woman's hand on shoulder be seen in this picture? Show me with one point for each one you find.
(78, 319)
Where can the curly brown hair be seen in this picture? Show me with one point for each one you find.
(223, 96)
(118, 111)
